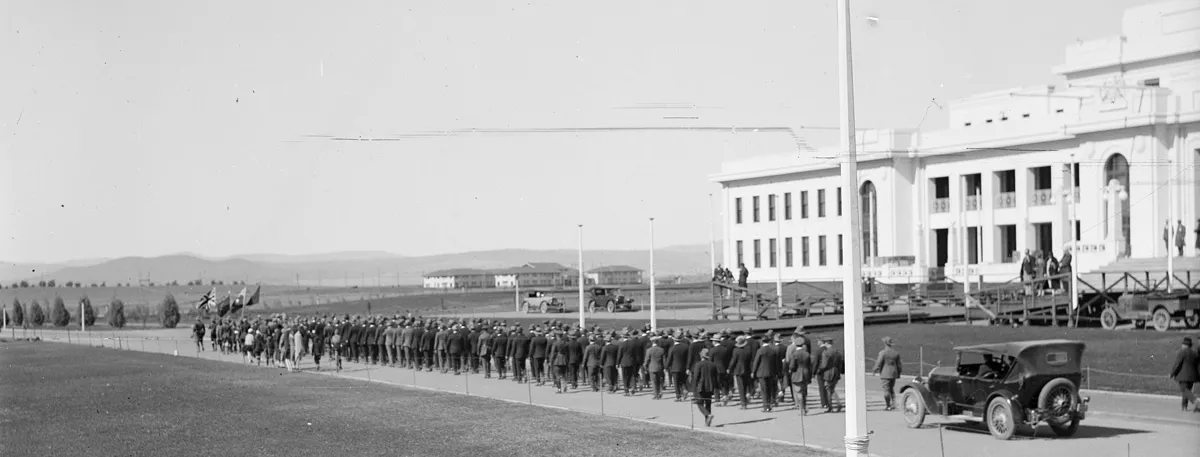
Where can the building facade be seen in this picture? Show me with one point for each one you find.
(615, 275)
(460, 278)
(1117, 145)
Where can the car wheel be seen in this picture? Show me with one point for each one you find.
(1000, 420)
(1192, 321)
(612, 306)
(1058, 398)
(1108, 319)
(544, 308)
(525, 307)
(592, 306)
(913, 408)
(1162, 320)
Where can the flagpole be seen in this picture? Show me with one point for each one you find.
(653, 303)
(581, 275)
(856, 439)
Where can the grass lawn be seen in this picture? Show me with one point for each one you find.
(1122, 360)
(143, 404)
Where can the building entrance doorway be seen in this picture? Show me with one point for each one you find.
(1043, 237)
(941, 247)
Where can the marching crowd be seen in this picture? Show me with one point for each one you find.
(697, 365)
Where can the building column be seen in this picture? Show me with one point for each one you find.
(1024, 231)
(920, 207)
(987, 218)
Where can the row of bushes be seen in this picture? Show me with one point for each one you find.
(69, 284)
(168, 312)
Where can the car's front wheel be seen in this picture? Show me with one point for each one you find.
(545, 308)
(1000, 420)
(591, 306)
(913, 408)
(1162, 320)
(612, 307)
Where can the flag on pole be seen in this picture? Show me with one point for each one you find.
(206, 301)
(253, 298)
(239, 302)
(223, 307)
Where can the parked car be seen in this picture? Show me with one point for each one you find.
(1159, 308)
(1005, 385)
(609, 297)
(541, 302)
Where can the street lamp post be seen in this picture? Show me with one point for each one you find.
(1074, 245)
(581, 276)
(856, 439)
(653, 305)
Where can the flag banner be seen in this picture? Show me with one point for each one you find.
(253, 298)
(241, 298)
(207, 300)
(223, 307)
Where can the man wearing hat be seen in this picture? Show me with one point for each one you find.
(428, 340)
(704, 384)
(1186, 372)
(888, 367)
(831, 368)
(608, 361)
(739, 368)
(538, 346)
(483, 350)
(766, 369)
(627, 358)
(518, 346)
(500, 350)
(472, 353)
(677, 364)
(655, 366)
(721, 354)
(592, 363)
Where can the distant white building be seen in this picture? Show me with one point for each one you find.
(1121, 137)
(615, 275)
(537, 274)
(459, 278)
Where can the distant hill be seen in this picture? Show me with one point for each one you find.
(350, 268)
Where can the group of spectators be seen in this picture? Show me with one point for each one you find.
(1042, 272)
(703, 366)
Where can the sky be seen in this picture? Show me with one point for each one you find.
(142, 128)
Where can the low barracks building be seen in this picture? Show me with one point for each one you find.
(1121, 138)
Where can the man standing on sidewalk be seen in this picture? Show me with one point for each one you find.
(739, 369)
(677, 359)
(704, 384)
(764, 367)
(1186, 373)
(888, 367)
(591, 362)
(198, 334)
(538, 348)
(655, 364)
(831, 369)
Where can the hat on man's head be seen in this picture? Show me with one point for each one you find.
(887, 341)
(740, 342)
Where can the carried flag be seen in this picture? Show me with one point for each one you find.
(207, 300)
(253, 298)
(223, 307)
(238, 303)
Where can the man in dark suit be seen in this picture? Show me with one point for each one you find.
(582, 342)
(574, 359)
(627, 359)
(415, 335)
(818, 354)
(888, 367)
(350, 340)
(593, 362)
(558, 358)
(754, 343)
(608, 360)
(439, 347)
(704, 383)
(831, 367)
(483, 350)
(721, 356)
(655, 365)
(471, 357)
(765, 368)
(518, 346)
(500, 351)
(456, 343)
(539, 348)
(677, 364)
(427, 343)
(1186, 372)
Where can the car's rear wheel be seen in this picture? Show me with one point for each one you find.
(544, 308)
(1162, 320)
(592, 306)
(612, 307)
(1108, 319)
(1192, 321)
(1000, 420)
(1057, 400)
(913, 408)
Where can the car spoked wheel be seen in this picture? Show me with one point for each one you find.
(1108, 319)
(1000, 419)
(1192, 321)
(1162, 320)
(612, 307)
(1058, 399)
(592, 306)
(544, 308)
(913, 408)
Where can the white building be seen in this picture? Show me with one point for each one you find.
(537, 274)
(1123, 134)
(459, 278)
(615, 275)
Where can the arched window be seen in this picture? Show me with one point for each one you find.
(1117, 168)
(870, 221)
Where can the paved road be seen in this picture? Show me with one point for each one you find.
(1143, 425)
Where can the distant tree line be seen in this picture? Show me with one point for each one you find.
(24, 284)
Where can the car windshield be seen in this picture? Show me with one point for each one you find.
(599, 291)
(988, 366)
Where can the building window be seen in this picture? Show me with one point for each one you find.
(771, 207)
(804, 251)
(741, 259)
(821, 250)
(737, 209)
(1006, 197)
(1041, 195)
(757, 254)
(755, 208)
(839, 201)
(841, 258)
(820, 202)
(804, 204)
(787, 206)
(787, 252)
(771, 245)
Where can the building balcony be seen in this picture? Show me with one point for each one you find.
(940, 205)
(1041, 197)
(972, 203)
(1006, 200)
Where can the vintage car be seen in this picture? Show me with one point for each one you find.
(1005, 385)
(1158, 308)
(609, 297)
(541, 302)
